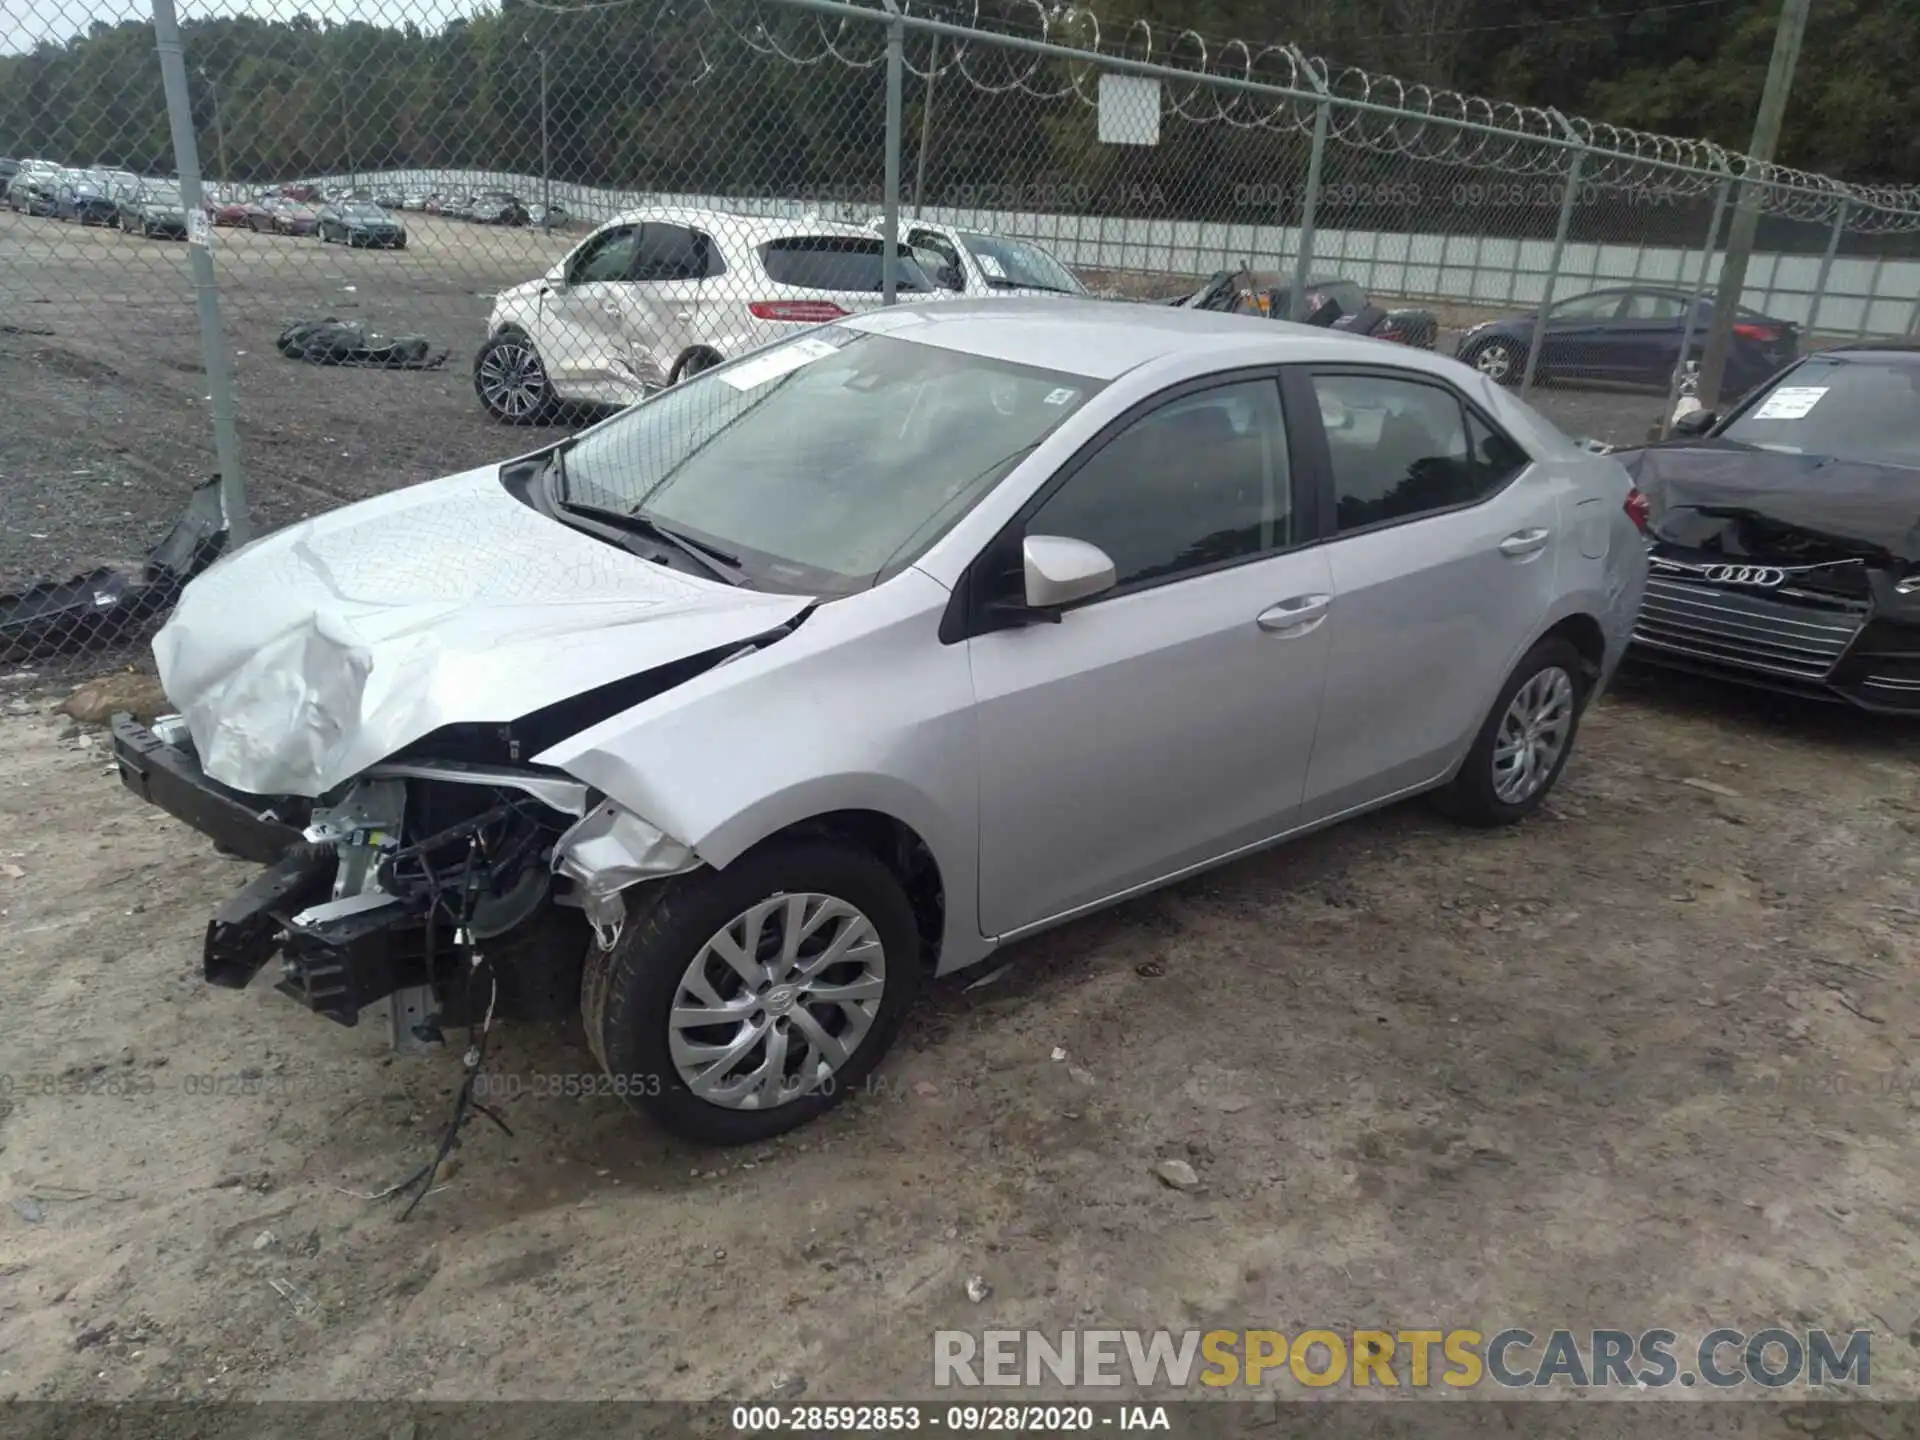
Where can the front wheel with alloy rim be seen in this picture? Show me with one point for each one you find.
(1524, 743)
(740, 1003)
(510, 380)
(1501, 361)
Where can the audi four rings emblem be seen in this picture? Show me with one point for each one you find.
(1763, 576)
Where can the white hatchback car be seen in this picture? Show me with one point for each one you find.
(656, 295)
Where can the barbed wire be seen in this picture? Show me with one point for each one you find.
(1372, 111)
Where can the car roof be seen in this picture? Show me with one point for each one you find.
(743, 229)
(1103, 339)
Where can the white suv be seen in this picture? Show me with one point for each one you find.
(656, 295)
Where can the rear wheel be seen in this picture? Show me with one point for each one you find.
(511, 381)
(1524, 743)
(741, 1003)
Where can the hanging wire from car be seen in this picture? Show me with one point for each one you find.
(465, 1105)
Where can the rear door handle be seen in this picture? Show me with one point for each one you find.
(1296, 616)
(1523, 543)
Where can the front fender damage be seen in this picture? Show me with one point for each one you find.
(605, 853)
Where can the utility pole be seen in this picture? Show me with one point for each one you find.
(926, 128)
(219, 127)
(1746, 214)
(546, 167)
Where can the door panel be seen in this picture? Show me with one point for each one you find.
(1436, 588)
(1428, 617)
(1142, 735)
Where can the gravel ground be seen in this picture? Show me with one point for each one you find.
(100, 356)
(1642, 1061)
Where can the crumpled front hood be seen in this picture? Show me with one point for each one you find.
(311, 654)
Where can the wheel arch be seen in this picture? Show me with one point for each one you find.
(699, 351)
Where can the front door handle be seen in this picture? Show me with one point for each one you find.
(1296, 616)
(1523, 543)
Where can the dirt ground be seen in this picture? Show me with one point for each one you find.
(1643, 1061)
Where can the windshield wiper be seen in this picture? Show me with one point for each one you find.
(710, 558)
(1001, 282)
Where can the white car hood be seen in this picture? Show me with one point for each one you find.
(311, 654)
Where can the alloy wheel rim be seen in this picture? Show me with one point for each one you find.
(777, 1001)
(1494, 362)
(512, 380)
(1533, 735)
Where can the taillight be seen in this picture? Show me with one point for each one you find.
(1762, 333)
(806, 312)
(1638, 509)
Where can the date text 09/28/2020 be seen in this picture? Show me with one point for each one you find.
(957, 1419)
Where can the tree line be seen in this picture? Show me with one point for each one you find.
(658, 97)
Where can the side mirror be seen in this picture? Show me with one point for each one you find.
(1057, 571)
(556, 278)
(1696, 422)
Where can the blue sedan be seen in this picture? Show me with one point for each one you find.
(1628, 336)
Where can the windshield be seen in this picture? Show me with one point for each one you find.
(1857, 409)
(360, 211)
(825, 462)
(161, 195)
(1016, 265)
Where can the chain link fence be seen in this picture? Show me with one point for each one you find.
(415, 235)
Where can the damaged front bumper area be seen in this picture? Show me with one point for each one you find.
(442, 890)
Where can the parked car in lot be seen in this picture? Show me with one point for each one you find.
(548, 217)
(390, 199)
(34, 189)
(657, 295)
(231, 212)
(294, 217)
(495, 207)
(1786, 549)
(1628, 335)
(360, 223)
(970, 262)
(87, 197)
(736, 717)
(155, 210)
(1331, 301)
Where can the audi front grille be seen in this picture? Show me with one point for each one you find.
(1799, 639)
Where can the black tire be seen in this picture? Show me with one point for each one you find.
(1501, 360)
(498, 405)
(1470, 797)
(691, 364)
(629, 991)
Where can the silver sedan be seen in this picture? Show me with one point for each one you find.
(738, 716)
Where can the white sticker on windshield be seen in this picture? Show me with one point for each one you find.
(751, 373)
(1062, 396)
(991, 266)
(1789, 402)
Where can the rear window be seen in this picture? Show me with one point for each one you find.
(837, 262)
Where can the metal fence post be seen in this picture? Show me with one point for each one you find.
(926, 130)
(1699, 298)
(1826, 268)
(213, 344)
(890, 202)
(1309, 202)
(1553, 265)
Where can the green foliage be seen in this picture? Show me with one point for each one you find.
(647, 96)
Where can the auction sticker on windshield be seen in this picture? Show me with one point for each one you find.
(780, 362)
(991, 266)
(1789, 402)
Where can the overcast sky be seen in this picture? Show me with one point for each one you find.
(25, 23)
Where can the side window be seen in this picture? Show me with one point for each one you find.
(673, 252)
(1200, 480)
(1496, 459)
(1398, 447)
(1643, 306)
(610, 255)
(1589, 307)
